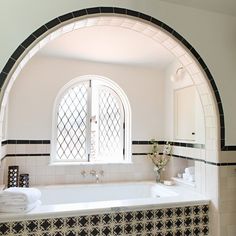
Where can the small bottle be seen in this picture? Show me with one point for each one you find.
(24, 180)
(13, 176)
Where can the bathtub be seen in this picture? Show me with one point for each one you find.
(68, 194)
(83, 199)
(134, 208)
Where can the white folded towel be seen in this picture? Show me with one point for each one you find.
(17, 195)
(6, 208)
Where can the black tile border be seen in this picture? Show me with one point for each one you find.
(120, 11)
(25, 141)
(191, 158)
(162, 142)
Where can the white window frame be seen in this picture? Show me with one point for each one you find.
(127, 119)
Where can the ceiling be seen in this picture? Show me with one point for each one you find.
(109, 44)
(227, 7)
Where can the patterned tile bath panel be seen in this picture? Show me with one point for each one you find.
(178, 221)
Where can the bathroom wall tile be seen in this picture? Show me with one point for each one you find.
(11, 148)
(20, 148)
(227, 157)
(31, 148)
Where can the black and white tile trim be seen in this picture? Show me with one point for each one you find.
(176, 221)
(119, 11)
(180, 144)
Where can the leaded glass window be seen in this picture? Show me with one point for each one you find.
(90, 124)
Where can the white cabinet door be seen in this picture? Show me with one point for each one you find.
(185, 104)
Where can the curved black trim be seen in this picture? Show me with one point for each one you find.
(115, 10)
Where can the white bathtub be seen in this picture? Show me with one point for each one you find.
(83, 199)
(67, 194)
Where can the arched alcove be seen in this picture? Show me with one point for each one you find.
(143, 24)
(158, 31)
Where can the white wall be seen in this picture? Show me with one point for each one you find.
(32, 96)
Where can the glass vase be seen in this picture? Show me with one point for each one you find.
(158, 175)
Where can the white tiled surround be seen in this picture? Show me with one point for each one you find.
(41, 173)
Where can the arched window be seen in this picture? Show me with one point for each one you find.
(91, 122)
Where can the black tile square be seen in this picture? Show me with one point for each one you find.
(83, 221)
(16, 54)
(159, 213)
(45, 224)
(117, 230)
(196, 231)
(205, 220)
(138, 227)
(31, 226)
(17, 227)
(132, 13)
(58, 223)
(70, 222)
(149, 226)
(128, 229)
(120, 10)
(81, 12)
(4, 228)
(139, 215)
(187, 221)
(9, 65)
(95, 232)
(52, 23)
(205, 209)
(66, 17)
(159, 225)
(187, 211)
(205, 230)
(95, 220)
(106, 231)
(118, 218)
(169, 212)
(196, 210)
(106, 9)
(196, 220)
(28, 41)
(178, 223)
(106, 219)
(149, 215)
(128, 216)
(169, 224)
(178, 211)
(38, 32)
(93, 10)
(187, 232)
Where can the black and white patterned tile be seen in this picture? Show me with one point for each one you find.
(177, 221)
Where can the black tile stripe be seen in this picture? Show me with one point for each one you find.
(23, 141)
(115, 10)
(161, 142)
(27, 154)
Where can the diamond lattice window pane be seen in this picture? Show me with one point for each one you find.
(72, 124)
(110, 125)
